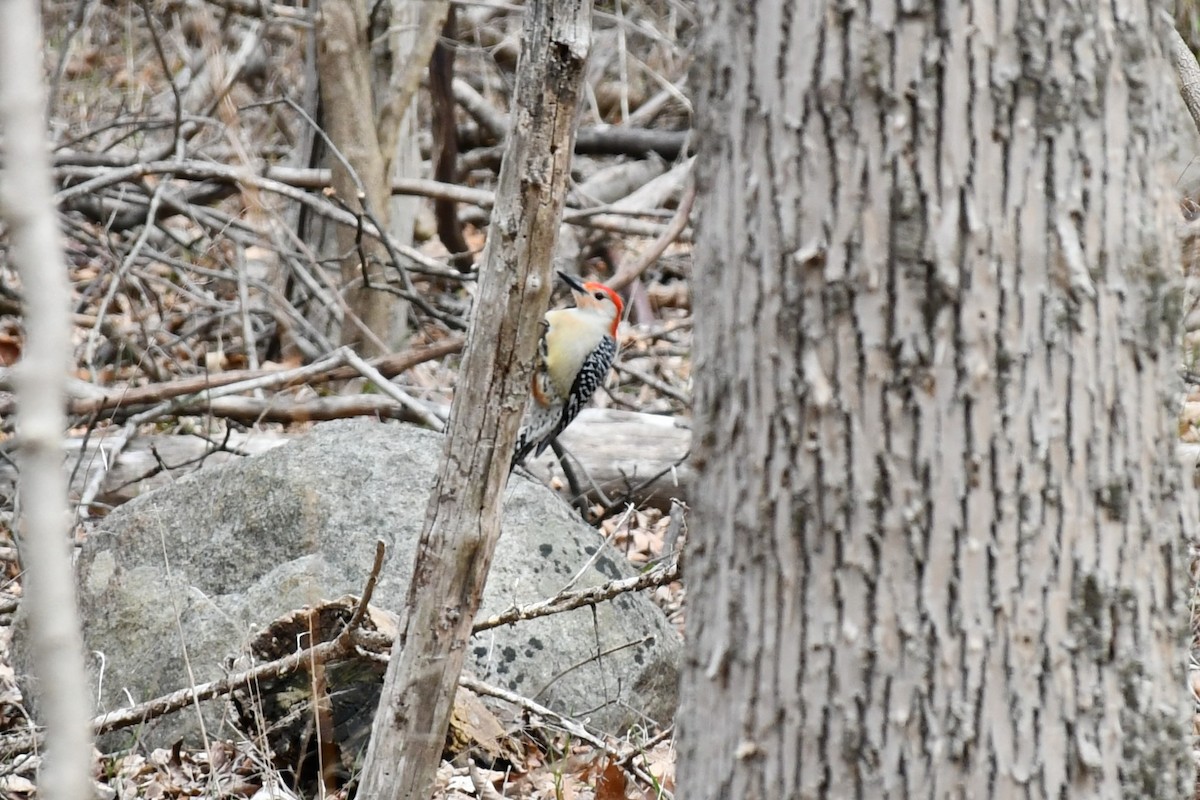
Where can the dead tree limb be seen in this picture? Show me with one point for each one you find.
(417, 261)
(566, 601)
(622, 451)
(463, 521)
(99, 400)
(630, 272)
(444, 152)
(567, 724)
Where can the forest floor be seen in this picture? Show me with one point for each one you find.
(542, 760)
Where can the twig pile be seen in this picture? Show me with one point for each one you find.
(198, 221)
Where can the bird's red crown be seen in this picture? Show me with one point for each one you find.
(593, 288)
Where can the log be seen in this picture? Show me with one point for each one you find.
(625, 453)
(614, 450)
(279, 709)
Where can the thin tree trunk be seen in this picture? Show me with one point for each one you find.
(28, 206)
(361, 179)
(411, 37)
(401, 51)
(444, 153)
(937, 540)
(463, 520)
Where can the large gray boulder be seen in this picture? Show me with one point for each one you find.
(184, 576)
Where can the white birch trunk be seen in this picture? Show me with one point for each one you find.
(28, 208)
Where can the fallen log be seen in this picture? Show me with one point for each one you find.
(618, 452)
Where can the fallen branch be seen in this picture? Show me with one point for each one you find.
(99, 400)
(254, 410)
(627, 273)
(209, 400)
(639, 458)
(338, 648)
(654, 383)
(345, 646)
(476, 105)
(619, 140)
(303, 185)
(203, 170)
(566, 601)
(414, 407)
(267, 381)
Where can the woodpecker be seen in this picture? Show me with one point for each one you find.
(577, 348)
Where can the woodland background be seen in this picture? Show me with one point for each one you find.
(211, 243)
(211, 247)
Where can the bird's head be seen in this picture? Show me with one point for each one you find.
(596, 298)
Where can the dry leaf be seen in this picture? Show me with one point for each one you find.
(660, 762)
(10, 350)
(612, 783)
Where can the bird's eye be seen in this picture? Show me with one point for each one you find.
(599, 295)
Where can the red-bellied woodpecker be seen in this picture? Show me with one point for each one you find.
(577, 348)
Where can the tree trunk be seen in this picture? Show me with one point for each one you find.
(360, 174)
(401, 49)
(27, 203)
(462, 524)
(937, 541)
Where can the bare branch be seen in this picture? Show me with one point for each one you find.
(97, 400)
(565, 723)
(1187, 71)
(463, 520)
(628, 273)
(566, 601)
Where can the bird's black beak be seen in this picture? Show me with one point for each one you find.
(570, 280)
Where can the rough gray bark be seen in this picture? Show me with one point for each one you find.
(1187, 72)
(938, 528)
(463, 519)
(28, 208)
